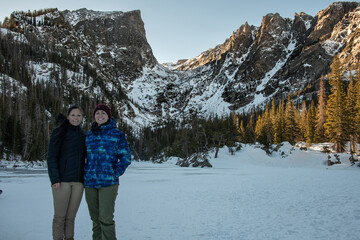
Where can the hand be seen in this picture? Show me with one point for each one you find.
(56, 185)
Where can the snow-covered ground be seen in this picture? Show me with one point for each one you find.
(249, 195)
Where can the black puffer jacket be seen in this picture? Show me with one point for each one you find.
(66, 159)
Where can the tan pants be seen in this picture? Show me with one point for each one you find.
(67, 200)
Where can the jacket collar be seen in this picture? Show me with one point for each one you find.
(111, 123)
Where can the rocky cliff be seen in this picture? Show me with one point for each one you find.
(252, 66)
(282, 55)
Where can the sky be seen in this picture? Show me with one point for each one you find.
(185, 28)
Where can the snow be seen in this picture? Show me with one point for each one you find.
(4, 31)
(331, 47)
(210, 102)
(42, 73)
(16, 36)
(291, 194)
(307, 24)
(259, 98)
(74, 17)
(11, 85)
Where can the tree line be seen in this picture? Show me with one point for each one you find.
(28, 17)
(333, 118)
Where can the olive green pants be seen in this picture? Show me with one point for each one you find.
(67, 200)
(101, 204)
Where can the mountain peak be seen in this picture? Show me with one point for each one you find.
(251, 67)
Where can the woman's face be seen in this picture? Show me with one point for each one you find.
(75, 117)
(101, 117)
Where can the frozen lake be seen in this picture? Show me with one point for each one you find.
(246, 196)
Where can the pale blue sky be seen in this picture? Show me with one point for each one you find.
(182, 29)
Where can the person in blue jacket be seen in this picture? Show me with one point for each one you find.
(108, 156)
(66, 159)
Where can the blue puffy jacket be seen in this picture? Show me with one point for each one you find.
(108, 155)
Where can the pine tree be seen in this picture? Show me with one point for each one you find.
(259, 129)
(350, 112)
(269, 127)
(303, 118)
(310, 124)
(272, 119)
(321, 114)
(335, 126)
(357, 107)
(250, 135)
(235, 119)
(242, 131)
(279, 127)
(291, 128)
(263, 128)
(298, 122)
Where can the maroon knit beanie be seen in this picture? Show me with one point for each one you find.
(103, 107)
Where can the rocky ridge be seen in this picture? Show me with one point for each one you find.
(252, 66)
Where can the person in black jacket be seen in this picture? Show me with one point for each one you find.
(66, 160)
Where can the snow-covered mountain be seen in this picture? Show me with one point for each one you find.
(111, 60)
(258, 63)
